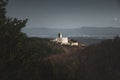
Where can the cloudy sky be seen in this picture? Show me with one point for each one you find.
(66, 13)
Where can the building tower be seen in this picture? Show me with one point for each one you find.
(59, 35)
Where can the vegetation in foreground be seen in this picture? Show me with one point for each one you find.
(95, 62)
(24, 58)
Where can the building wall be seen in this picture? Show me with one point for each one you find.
(74, 44)
(64, 40)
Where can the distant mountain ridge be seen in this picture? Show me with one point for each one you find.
(99, 32)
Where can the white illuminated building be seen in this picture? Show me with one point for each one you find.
(64, 40)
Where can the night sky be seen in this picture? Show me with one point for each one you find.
(66, 13)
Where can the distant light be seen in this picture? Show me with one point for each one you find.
(115, 18)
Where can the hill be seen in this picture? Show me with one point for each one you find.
(95, 62)
(27, 61)
(40, 59)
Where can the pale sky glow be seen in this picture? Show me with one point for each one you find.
(66, 13)
(116, 18)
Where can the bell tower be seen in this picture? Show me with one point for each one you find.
(59, 35)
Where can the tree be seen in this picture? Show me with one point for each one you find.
(2, 11)
(10, 32)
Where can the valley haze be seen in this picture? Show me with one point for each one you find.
(87, 35)
(95, 32)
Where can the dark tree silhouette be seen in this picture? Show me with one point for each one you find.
(10, 31)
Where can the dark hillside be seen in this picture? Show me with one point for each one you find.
(96, 62)
(102, 61)
(27, 62)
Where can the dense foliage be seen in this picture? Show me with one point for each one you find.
(95, 62)
(20, 55)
